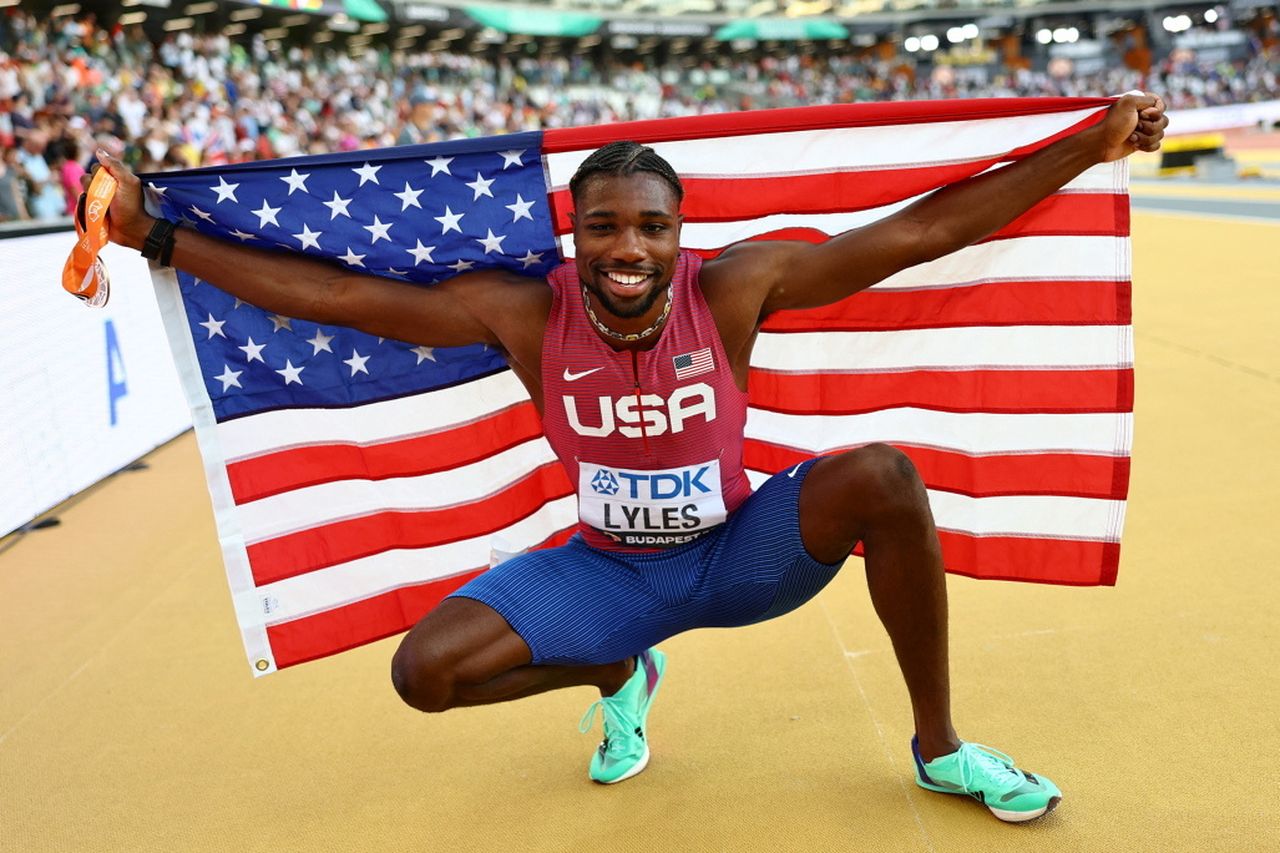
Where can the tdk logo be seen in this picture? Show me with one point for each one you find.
(604, 483)
(662, 486)
(649, 415)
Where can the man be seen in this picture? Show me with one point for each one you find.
(636, 356)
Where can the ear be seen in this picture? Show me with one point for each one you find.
(573, 219)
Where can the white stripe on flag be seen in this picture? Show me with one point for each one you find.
(246, 437)
(958, 348)
(316, 506)
(973, 433)
(826, 150)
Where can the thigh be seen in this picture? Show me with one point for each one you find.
(569, 605)
(761, 567)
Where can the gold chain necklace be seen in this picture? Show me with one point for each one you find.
(630, 337)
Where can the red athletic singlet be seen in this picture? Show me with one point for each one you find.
(652, 440)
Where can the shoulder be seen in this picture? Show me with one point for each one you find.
(514, 307)
(744, 274)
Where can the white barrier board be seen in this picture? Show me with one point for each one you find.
(83, 392)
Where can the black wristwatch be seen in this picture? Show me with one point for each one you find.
(159, 243)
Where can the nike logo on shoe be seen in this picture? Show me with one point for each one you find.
(574, 377)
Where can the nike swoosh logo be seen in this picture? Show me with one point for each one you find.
(574, 377)
(792, 472)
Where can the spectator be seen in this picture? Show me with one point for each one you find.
(71, 169)
(12, 204)
(44, 194)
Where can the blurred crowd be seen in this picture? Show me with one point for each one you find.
(70, 87)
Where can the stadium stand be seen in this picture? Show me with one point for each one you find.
(207, 83)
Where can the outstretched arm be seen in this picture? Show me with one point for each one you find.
(463, 310)
(800, 275)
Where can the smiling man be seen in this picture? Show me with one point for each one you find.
(636, 356)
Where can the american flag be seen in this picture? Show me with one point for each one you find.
(693, 363)
(357, 481)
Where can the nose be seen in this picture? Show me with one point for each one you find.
(628, 248)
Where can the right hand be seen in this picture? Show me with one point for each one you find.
(127, 220)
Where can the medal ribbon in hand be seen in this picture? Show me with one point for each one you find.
(84, 275)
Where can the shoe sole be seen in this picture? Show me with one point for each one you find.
(644, 724)
(639, 765)
(1020, 817)
(1003, 814)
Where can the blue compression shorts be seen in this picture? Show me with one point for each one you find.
(576, 604)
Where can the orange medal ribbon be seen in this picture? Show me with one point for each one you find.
(84, 275)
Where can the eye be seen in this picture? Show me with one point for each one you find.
(655, 227)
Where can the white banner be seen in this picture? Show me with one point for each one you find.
(83, 392)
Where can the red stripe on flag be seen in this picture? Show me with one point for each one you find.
(994, 391)
(357, 623)
(1080, 475)
(997, 303)
(285, 470)
(1072, 214)
(350, 539)
(836, 116)
(1069, 562)
(729, 199)
(370, 619)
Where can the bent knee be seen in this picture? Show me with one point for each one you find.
(890, 476)
(422, 680)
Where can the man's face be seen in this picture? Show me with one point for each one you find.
(626, 234)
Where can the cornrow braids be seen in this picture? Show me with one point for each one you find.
(625, 158)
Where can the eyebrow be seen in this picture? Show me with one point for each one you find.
(648, 214)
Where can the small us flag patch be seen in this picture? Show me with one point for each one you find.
(693, 363)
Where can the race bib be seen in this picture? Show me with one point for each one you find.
(651, 509)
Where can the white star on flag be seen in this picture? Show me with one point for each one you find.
(253, 352)
(266, 214)
(280, 322)
(291, 373)
(460, 265)
(530, 258)
(424, 353)
(296, 181)
(480, 187)
(367, 173)
(408, 198)
(421, 253)
(241, 235)
(512, 158)
(309, 237)
(337, 206)
(214, 327)
(449, 220)
(492, 243)
(352, 258)
(320, 342)
(225, 191)
(229, 377)
(356, 363)
(439, 164)
(520, 209)
(378, 230)
(207, 217)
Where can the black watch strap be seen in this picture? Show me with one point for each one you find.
(159, 243)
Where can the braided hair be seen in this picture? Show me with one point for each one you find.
(624, 158)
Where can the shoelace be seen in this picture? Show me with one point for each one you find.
(992, 759)
(613, 746)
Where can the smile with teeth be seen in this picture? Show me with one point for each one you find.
(627, 279)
